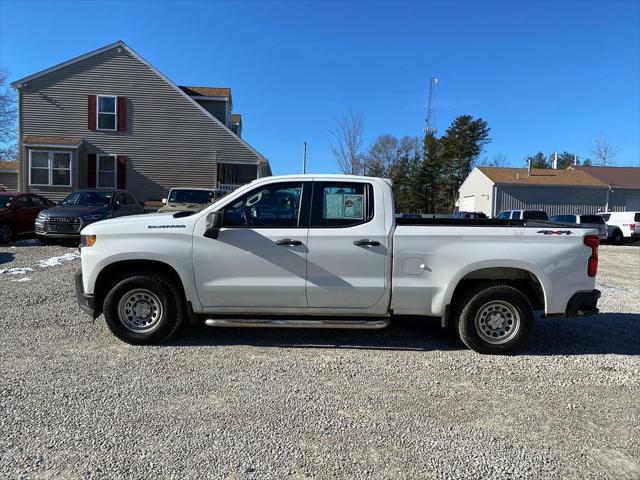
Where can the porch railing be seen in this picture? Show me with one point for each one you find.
(228, 187)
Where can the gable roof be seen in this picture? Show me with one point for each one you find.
(540, 176)
(120, 44)
(9, 167)
(622, 177)
(207, 91)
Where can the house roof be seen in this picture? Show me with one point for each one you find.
(121, 44)
(207, 91)
(622, 177)
(8, 167)
(540, 176)
(52, 140)
(236, 118)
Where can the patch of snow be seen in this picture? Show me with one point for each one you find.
(16, 270)
(56, 261)
(23, 279)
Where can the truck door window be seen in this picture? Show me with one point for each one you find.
(517, 214)
(276, 205)
(341, 204)
(504, 215)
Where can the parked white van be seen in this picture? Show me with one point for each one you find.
(622, 225)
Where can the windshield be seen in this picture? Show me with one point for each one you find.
(191, 196)
(88, 198)
(591, 219)
(5, 200)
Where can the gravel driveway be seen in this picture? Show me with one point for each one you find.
(406, 402)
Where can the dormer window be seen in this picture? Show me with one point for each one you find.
(107, 112)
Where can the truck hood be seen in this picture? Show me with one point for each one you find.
(144, 223)
(76, 210)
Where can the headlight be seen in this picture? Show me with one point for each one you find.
(87, 240)
(41, 216)
(92, 218)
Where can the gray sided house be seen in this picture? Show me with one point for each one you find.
(109, 119)
(492, 190)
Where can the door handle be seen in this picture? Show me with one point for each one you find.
(366, 243)
(287, 242)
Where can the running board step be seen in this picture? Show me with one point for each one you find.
(286, 323)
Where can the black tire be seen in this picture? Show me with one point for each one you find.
(494, 319)
(617, 237)
(153, 294)
(6, 233)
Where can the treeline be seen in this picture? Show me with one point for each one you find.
(565, 160)
(426, 172)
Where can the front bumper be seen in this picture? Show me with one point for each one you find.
(85, 301)
(583, 304)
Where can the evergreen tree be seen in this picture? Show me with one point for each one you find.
(539, 160)
(462, 143)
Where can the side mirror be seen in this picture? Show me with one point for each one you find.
(164, 200)
(213, 224)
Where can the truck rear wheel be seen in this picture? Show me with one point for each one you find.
(144, 309)
(495, 319)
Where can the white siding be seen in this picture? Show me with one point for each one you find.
(478, 185)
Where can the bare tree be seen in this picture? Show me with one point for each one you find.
(603, 152)
(348, 136)
(497, 160)
(8, 149)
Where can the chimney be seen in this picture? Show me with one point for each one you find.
(554, 164)
(529, 168)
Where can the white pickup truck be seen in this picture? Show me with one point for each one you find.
(328, 251)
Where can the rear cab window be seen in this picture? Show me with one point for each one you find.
(341, 204)
(591, 219)
(535, 215)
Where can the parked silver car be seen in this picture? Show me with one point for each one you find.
(592, 221)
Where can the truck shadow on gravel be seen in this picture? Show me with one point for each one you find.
(6, 257)
(606, 333)
(402, 334)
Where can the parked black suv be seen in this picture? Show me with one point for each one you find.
(81, 208)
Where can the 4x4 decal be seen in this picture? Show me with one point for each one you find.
(555, 232)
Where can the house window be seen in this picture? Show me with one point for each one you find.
(107, 112)
(106, 171)
(50, 168)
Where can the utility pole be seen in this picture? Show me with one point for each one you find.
(304, 158)
(430, 120)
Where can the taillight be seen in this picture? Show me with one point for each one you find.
(592, 265)
(632, 227)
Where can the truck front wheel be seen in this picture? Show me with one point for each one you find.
(495, 319)
(144, 309)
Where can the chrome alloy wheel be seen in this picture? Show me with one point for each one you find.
(140, 310)
(497, 322)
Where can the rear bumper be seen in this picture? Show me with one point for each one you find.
(583, 304)
(85, 301)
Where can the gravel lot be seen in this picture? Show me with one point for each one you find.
(406, 402)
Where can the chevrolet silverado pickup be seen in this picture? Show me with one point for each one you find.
(327, 251)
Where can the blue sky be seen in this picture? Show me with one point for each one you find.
(545, 75)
